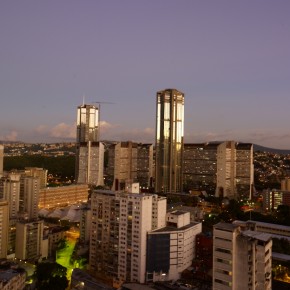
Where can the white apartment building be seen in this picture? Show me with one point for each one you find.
(120, 222)
(241, 258)
(171, 249)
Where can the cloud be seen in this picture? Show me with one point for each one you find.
(63, 130)
(11, 136)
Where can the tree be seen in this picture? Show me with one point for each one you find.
(51, 276)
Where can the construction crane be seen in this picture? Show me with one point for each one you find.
(99, 113)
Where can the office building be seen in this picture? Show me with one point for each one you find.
(171, 249)
(169, 141)
(221, 168)
(4, 223)
(119, 226)
(129, 162)
(145, 166)
(241, 258)
(200, 166)
(89, 151)
(122, 165)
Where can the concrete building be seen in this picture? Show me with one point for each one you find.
(10, 191)
(37, 172)
(221, 168)
(241, 258)
(169, 141)
(12, 279)
(200, 166)
(4, 225)
(85, 223)
(29, 236)
(285, 184)
(120, 222)
(29, 196)
(129, 162)
(171, 249)
(53, 197)
(89, 151)
(122, 165)
(273, 198)
(145, 166)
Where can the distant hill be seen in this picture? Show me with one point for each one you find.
(270, 150)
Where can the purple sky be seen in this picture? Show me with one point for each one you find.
(230, 58)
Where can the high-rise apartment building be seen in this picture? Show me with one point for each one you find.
(169, 141)
(37, 172)
(89, 151)
(29, 196)
(120, 222)
(241, 258)
(10, 191)
(221, 168)
(29, 236)
(4, 223)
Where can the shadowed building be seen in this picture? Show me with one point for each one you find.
(169, 140)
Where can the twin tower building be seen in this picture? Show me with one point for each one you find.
(167, 176)
(221, 168)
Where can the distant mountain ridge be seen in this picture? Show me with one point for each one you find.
(270, 150)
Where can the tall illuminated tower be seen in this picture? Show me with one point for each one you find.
(89, 151)
(169, 140)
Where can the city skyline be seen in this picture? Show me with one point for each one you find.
(232, 61)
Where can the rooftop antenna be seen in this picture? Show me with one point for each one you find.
(83, 99)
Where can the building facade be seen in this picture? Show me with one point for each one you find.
(119, 226)
(221, 168)
(29, 236)
(169, 141)
(241, 258)
(54, 197)
(171, 249)
(89, 151)
(129, 162)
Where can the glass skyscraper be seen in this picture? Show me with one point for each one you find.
(169, 140)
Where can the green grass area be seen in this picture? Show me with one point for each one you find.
(63, 257)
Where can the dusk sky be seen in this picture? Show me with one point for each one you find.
(230, 58)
